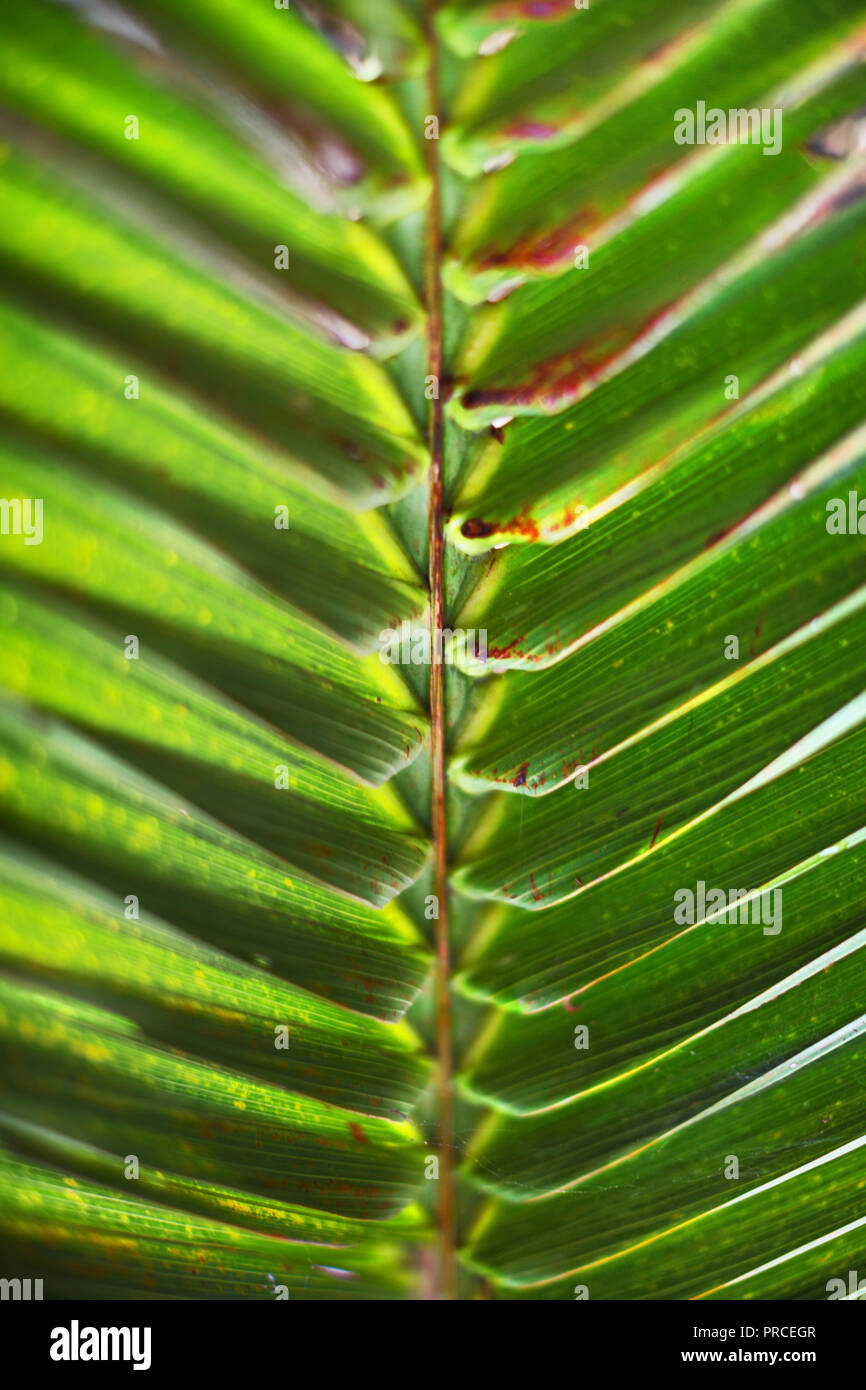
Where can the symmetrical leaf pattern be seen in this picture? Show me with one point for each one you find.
(326, 328)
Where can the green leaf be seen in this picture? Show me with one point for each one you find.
(70, 252)
(187, 994)
(279, 54)
(683, 764)
(328, 970)
(167, 1252)
(539, 960)
(211, 477)
(136, 836)
(676, 643)
(57, 73)
(671, 513)
(200, 1119)
(526, 489)
(676, 1017)
(621, 135)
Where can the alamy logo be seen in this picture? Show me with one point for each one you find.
(21, 1289)
(846, 516)
(448, 645)
(694, 905)
(22, 516)
(740, 126)
(75, 1343)
(837, 1288)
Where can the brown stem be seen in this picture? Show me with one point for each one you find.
(447, 1205)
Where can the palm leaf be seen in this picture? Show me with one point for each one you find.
(324, 976)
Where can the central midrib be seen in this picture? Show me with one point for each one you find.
(442, 969)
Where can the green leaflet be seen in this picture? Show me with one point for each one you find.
(568, 320)
(796, 1112)
(676, 637)
(200, 1119)
(166, 1252)
(210, 477)
(561, 192)
(526, 489)
(543, 1155)
(69, 252)
(104, 816)
(559, 54)
(56, 72)
(528, 599)
(676, 1014)
(535, 960)
(680, 767)
(78, 667)
(760, 1230)
(74, 935)
(280, 54)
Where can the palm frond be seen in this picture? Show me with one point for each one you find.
(325, 327)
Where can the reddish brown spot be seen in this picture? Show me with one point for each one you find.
(358, 1133)
(475, 528)
(531, 130)
(557, 380)
(535, 9)
(511, 649)
(656, 831)
(754, 642)
(547, 248)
